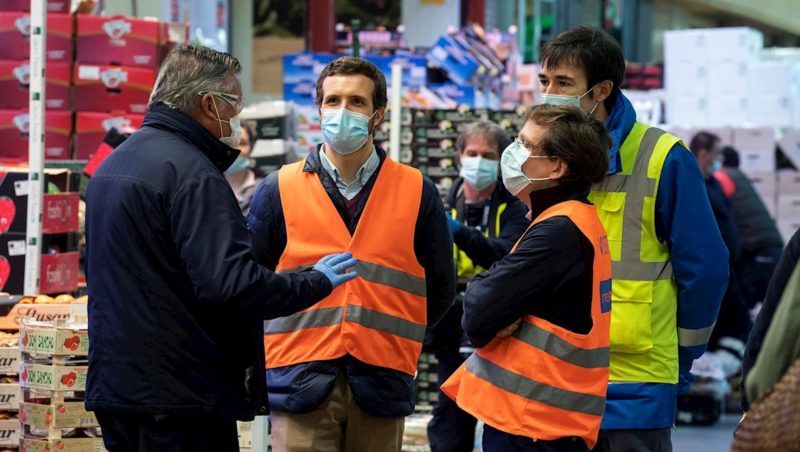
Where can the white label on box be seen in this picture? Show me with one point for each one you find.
(21, 188)
(89, 72)
(16, 248)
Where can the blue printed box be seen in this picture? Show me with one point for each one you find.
(301, 67)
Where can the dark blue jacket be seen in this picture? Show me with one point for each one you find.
(177, 301)
(377, 391)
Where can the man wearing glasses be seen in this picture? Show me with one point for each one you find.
(177, 302)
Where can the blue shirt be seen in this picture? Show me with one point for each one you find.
(349, 191)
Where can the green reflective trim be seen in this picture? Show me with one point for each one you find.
(561, 349)
(641, 271)
(386, 323)
(534, 390)
(386, 276)
(316, 318)
(691, 337)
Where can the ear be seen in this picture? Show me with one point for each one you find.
(207, 107)
(559, 171)
(379, 114)
(603, 90)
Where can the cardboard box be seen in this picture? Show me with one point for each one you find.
(728, 78)
(10, 431)
(59, 272)
(60, 213)
(9, 363)
(15, 85)
(14, 135)
(773, 111)
(788, 182)
(112, 88)
(764, 183)
(733, 44)
(305, 67)
(61, 210)
(772, 78)
(687, 79)
(11, 319)
(788, 228)
(685, 46)
(120, 40)
(53, 6)
(688, 111)
(10, 395)
(788, 207)
(59, 415)
(63, 445)
(44, 338)
(756, 148)
(728, 111)
(53, 377)
(92, 127)
(245, 430)
(15, 30)
(790, 143)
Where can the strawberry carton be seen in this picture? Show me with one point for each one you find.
(53, 6)
(119, 40)
(112, 88)
(92, 127)
(58, 415)
(43, 338)
(53, 377)
(10, 430)
(10, 395)
(62, 445)
(15, 32)
(15, 85)
(14, 126)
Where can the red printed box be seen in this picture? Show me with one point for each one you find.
(14, 135)
(90, 128)
(60, 213)
(15, 85)
(15, 31)
(53, 6)
(59, 273)
(112, 88)
(117, 40)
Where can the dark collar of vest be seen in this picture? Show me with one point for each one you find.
(543, 199)
(314, 165)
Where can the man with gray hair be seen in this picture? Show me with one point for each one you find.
(485, 220)
(177, 302)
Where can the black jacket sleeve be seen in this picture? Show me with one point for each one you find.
(213, 242)
(266, 223)
(433, 246)
(549, 256)
(485, 251)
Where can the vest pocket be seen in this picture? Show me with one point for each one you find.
(610, 210)
(631, 316)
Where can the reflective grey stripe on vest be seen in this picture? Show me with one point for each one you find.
(689, 337)
(386, 323)
(379, 274)
(636, 187)
(316, 318)
(561, 349)
(534, 390)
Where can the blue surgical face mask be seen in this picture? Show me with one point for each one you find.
(345, 131)
(511, 166)
(716, 165)
(240, 164)
(479, 172)
(572, 101)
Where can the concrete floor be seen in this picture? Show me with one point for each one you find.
(716, 438)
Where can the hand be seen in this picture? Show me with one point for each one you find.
(455, 225)
(509, 330)
(334, 266)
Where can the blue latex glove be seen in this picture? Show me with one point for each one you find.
(455, 225)
(333, 266)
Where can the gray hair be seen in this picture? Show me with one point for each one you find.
(487, 129)
(189, 70)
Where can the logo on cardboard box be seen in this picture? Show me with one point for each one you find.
(59, 210)
(118, 122)
(23, 24)
(23, 74)
(59, 274)
(113, 77)
(22, 122)
(116, 29)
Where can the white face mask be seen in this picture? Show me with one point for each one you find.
(572, 101)
(511, 166)
(479, 172)
(235, 122)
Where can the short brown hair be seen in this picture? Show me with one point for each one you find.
(575, 137)
(352, 66)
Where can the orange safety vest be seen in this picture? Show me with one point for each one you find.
(543, 381)
(380, 317)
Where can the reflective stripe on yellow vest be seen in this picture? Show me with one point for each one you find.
(545, 382)
(380, 317)
(465, 269)
(644, 333)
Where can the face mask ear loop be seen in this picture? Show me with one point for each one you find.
(594, 108)
(219, 120)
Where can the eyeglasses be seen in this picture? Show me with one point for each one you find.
(531, 148)
(237, 102)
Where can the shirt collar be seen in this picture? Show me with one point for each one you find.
(362, 175)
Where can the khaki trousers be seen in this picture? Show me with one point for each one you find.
(338, 424)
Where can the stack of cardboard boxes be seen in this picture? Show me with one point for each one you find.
(10, 395)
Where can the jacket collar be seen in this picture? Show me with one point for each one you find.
(542, 200)
(619, 125)
(163, 117)
(314, 164)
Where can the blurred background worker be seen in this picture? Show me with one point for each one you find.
(759, 239)
(485, 220)
(543, 388)
(241, 175)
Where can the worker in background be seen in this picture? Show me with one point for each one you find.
(665, 244)
(341, 374)
(241, 175)
(760, 241)
(485, 220)
(541, 315)
(177, 300)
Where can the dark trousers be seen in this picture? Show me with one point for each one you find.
(754, 270)
(646, 440)
(497, 441)
(451, 429)
(174, 433)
